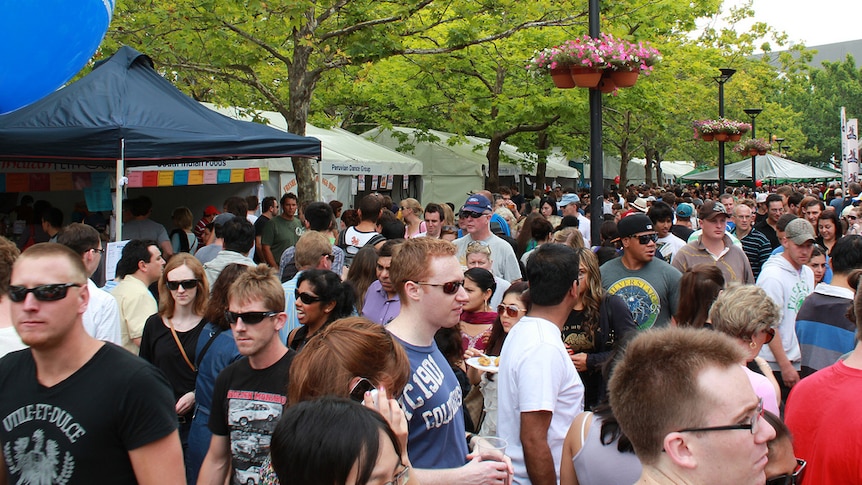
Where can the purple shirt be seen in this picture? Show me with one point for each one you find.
(378, 307)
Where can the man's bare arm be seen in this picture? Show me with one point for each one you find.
(159, 462)
(537, 453)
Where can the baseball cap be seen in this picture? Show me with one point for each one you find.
(761, 197)
(684, 210)
(221, 219)
(477, 203)
(211, 211)
(710, 209)
(799, 231)
(568, 199)
(634, 224)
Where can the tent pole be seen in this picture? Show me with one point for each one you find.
(319, 181)
(121, 188)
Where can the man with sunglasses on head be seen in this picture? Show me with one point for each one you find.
(75, 409)
(428, 278)
(539, 391)
(249, 395)
(649, 286)
(475, 219)
(140, 266)
(102, 318)
(682, 399)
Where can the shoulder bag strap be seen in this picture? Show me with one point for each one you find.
(182, 350)
(200, 356)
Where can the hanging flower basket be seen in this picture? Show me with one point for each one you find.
(589, 58)
(723, 129)
(607, 85)
(562, 78)
(721, 136)
(753, 146)
(734, 136)
(707, 137)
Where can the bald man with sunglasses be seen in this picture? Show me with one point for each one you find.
(76, 409)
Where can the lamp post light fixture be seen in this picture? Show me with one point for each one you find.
(752, 113)
(726, 74)
(779, 141)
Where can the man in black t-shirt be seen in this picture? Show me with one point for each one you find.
(249, 395)
(75, 409)
(268, 210)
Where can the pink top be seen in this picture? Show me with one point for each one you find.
(478, 342)
(764, 389)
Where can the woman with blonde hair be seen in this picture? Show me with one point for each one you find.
(411, 212)
(170, 337)
(570, 236)
(183, 239)
(749, 316)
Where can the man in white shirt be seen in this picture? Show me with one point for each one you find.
(539, 391)
(476, 218)
(569, 205)
(102, 318)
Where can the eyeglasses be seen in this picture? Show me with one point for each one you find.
(792, 479)
(512, 311)
(186, 284)
(329, 256)
(98, 250)
(470, 214)
(401, 477)
(479, 247)
(646, 238)
(852, 218)
(42, 292)
(247, 317)
(307, 298)
(751, 425)
(450, 288)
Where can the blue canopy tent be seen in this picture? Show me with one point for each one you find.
(124, 113)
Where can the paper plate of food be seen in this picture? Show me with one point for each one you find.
(487, 363)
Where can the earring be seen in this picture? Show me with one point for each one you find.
(752, 344)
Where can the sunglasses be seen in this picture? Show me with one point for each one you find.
(646, 238)
(42, 292)
(186, 284)
(770, 334)
(329, 256)
(363, 385)
(792, 479)
(307, 298)
(511, 311)
(470, 214)
(247, 317)
(450, 288)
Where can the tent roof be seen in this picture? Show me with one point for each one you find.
(343, 152)
(441, 157)
(124, 98)
(768, 167)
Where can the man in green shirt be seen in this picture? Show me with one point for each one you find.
(281, 232)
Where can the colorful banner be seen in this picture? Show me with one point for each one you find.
(850, 152)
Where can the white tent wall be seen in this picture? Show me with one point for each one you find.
(450, 172)
(636, 173)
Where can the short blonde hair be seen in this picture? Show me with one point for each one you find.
(310, 247)
(259, 283)
(743, 310)
(570, 236)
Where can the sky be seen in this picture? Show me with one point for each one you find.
(810, 22)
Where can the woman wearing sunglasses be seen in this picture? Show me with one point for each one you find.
(515, 304)
(748, 315)
(595, 325)
(170, 337)
(321, 298)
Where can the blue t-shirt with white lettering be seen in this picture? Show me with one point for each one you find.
(432, 403)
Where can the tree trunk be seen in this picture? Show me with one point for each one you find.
(658, 176)
(301, 86)
(542, 166)
(648, 166)
(493, 156)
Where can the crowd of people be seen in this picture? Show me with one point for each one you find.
(704, 338)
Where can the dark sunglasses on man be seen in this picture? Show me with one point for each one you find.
(42, 292)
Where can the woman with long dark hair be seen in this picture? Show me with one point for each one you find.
(698, 289)
(321, 298)
(477, 316)
(596, 323)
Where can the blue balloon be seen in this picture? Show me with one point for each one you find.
(45, 43)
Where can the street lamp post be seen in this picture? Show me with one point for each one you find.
(596, 151)
(725, 76)
(779, 141)
(752, 113)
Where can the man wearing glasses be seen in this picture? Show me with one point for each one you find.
(649, 286)
(102, 318)
(75, 409)
(249, 395)
(688, 408)
(476, 217)
(430, 284)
